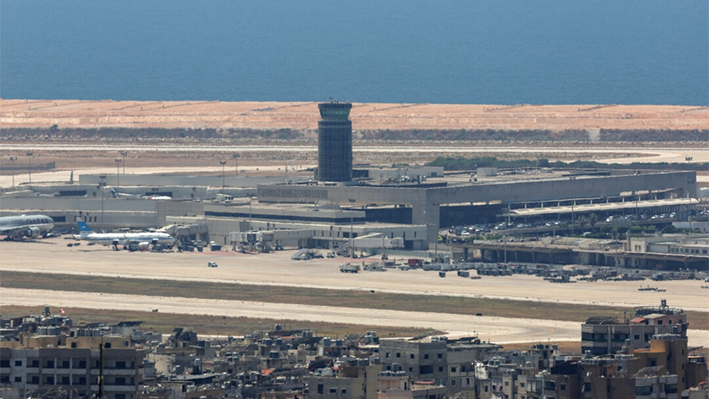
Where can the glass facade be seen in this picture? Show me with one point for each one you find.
(334, 142)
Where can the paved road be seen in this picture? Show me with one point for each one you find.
(653, 154)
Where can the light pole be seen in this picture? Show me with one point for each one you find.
(236, 164)
(12, 161)
(435, 245)
(102, 184)
(118, 172)
(352, 201)
(123, 157)
(251, 199)
(223, 178)
(29, 170)
(572, 217)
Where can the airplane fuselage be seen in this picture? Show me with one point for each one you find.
(125, 239)
(32, 226)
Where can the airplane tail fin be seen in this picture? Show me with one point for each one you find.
(114, 193)
(84, 228)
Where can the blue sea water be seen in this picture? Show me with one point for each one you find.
(443, 51)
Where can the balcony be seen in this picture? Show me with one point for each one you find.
(110, 371)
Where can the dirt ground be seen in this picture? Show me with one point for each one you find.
(365, 116)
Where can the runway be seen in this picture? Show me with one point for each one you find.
(277, 269)
(501, 330)
(671, 154)
(497, 329)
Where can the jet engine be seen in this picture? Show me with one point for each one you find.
(32, 232)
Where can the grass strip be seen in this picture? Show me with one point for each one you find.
(328, 297)
(212, 325)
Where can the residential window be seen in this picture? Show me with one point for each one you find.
(453, 369)
(49, 380)
(320, 389)
(425, 356)
(563, 387)
(398, 354)
(440, 356)
(636, 336)
(413, 356)
(18, 379)
(19, 362)
(440, 369)
(333, 390)
(343, 391)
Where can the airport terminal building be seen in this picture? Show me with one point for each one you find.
(344, 201)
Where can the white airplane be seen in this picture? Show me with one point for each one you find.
(31, 226)
(141, 241)
(117, 195)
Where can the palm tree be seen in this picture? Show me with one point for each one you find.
(592, 220)
(581, 221)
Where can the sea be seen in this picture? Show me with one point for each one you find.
(392, 51)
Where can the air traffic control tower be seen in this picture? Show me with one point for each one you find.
(335, 142)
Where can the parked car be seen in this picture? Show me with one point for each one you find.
(212, 264)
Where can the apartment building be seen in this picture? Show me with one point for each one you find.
(72, 369)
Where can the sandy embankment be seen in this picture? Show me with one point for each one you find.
(365, 116)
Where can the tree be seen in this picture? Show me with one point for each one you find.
(581, 220)
(592, 220)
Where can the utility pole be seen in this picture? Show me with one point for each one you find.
(236, 164)
(123, 156)
(223, 178)
(352, 201)
(29, 170)
(100, 369)
(12, 161)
